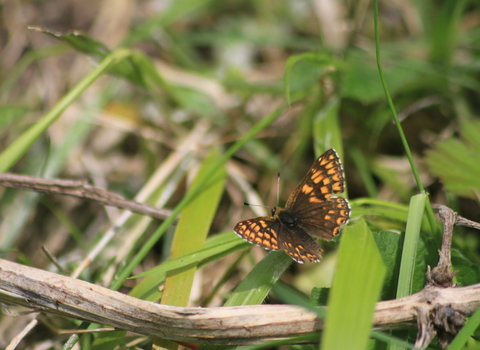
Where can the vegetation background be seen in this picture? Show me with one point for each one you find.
(268, 85)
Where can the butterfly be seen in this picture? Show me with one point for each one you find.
(311, 210)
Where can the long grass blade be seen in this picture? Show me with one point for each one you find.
(355, 290)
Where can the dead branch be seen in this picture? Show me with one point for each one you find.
(444, 320)
(80, 189)
(55, 294)
(441, 275)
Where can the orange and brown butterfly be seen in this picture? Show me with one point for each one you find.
(311, 210)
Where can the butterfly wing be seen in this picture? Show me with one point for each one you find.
(262, 231)
(299, 245)
(324, 220)
(324, 178)
(318, 211)
(270, 234)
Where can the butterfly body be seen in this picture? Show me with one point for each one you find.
(286, 217)
(311, 210)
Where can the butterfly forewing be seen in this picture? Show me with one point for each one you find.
(324, 178)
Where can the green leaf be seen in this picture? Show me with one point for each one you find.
(215, 245)
(455, 161)
(108, 341)
(384, 215)
(314, 58)
(78, 41)
(468, 272)
(191, 232)
(427, 255)
(255, 287)
(97, 51)
(390, 247)
(444, 30)
(363, 83)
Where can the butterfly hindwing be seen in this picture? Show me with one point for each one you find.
(299, 245)
(262, 231)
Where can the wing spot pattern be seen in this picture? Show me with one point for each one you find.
(307, 189)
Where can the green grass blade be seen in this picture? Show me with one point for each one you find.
(71, 138)
(391, 340)
(192, 230)
(18, 148)
(214, 245)
(97, 51)
(445, 28)
(257, 284)
(255, 287)
(430, 215)
(407, 264)
(412, 233)
(147, 289)
(355, 290)
(326, 128)
(288, 294)
(390, 102)
(79, 42)
(276, 344)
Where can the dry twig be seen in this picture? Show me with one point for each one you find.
(80, 189)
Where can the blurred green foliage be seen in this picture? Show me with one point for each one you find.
(271, 84)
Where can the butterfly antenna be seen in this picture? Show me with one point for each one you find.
(266, 206)
(278, 188)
